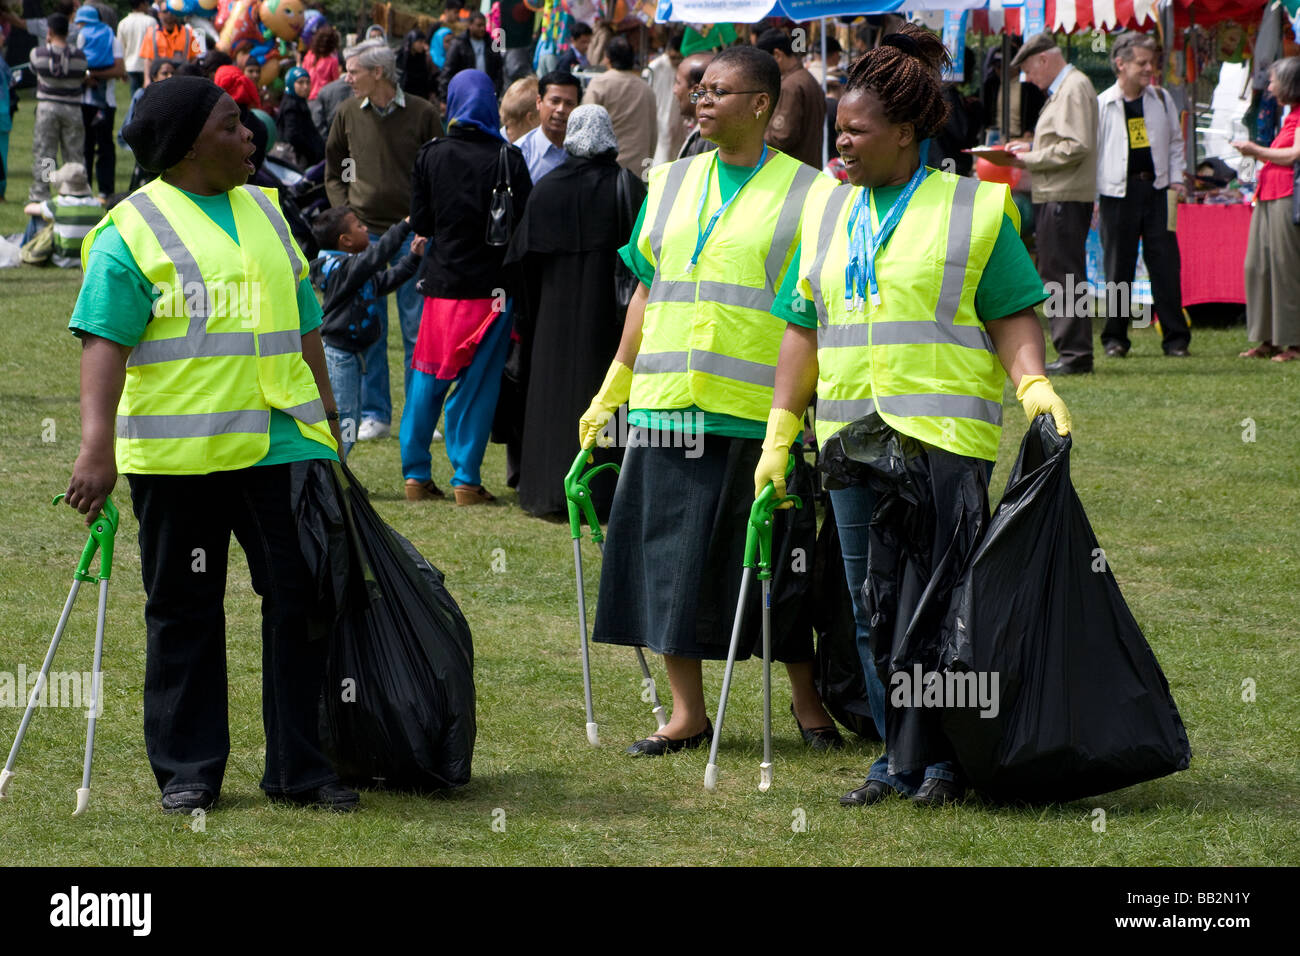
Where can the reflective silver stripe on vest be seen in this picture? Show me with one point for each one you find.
(280, 343)
(654, 363)
(825, 234)
(309, 413)
(728, 366)
(860, 335)
(208, 345)
(943, 330)
(844, 410)
(671, 290)
(205, 425)
(857, 335)
(187, 269)
(281, 229)
(942, 406)
(929, 333)
(961, 219)
(723, 293)
(787, 224)
(676, 176)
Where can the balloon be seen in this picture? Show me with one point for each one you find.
(269, 123)
(991, 172)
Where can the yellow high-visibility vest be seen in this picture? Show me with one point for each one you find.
(222, 347)
(709, 338)
(921, 358)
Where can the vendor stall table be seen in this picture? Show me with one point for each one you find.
(1212, 245)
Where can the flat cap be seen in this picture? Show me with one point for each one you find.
(1038, 43)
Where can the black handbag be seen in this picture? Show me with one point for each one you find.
(625, 280)
(501, 215)
(1295, 195)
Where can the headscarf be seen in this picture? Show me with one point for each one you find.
(293, 76)
(436, 48)
(241, 88)
(590, 132)
(472, 101)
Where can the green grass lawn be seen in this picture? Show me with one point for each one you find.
(1198, 525)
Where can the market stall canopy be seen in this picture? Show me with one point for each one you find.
(1068, 15)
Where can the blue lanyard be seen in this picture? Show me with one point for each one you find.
(865, 243)
(703, 236)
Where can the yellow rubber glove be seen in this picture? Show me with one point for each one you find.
(1036, 394)
(782, 429)
(613, 393)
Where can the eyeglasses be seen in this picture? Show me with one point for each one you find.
(700, 93)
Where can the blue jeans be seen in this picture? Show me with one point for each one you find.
(853, 507)
(376, 399)
(470, 410)
(344, 369)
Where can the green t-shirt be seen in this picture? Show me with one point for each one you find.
(1009, 282)
(116, 302)
(730, 179)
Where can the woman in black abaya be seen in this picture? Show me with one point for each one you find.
(567, 245)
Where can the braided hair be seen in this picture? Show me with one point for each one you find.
(904, 73)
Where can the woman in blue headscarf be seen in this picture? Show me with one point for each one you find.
(464, 333)
(293, 123)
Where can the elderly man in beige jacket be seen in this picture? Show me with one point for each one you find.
(1063, 160)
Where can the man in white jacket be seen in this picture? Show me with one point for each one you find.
(1139, 160)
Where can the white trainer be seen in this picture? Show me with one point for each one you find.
(372, 428)
(437, 435)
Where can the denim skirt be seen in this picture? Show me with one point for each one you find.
(675, 548)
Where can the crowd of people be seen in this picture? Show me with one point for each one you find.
(668, 242)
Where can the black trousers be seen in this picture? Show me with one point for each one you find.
(101, 155)
(1141, 214)
(1061, 237)
(185, 527)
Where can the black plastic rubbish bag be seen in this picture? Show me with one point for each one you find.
(930, 510)
(840, 681)
(1083, 707)
(398, 709)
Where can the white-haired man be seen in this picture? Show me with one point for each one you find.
(1139, 159)
(369, 155)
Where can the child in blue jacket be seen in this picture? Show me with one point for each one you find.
(353, 275)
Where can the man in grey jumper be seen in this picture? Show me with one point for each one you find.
(369, 155)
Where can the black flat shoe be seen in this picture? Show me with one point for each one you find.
(656, 745)
(1068, 368)
(873, 791)
(819, 738)
(330, 796)
(184, 801)
(935, 792)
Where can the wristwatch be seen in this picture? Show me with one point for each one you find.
(332, 416)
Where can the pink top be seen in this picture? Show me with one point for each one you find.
(323, 70)
(450, 333)
(1278, 182)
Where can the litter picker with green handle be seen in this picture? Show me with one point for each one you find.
(102, 532)
(758, 557)
(577, 491)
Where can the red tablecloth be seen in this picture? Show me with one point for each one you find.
(1212, 245)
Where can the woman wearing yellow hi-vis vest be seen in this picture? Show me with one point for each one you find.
(912, 294)
(696, 365)
(203, 380)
